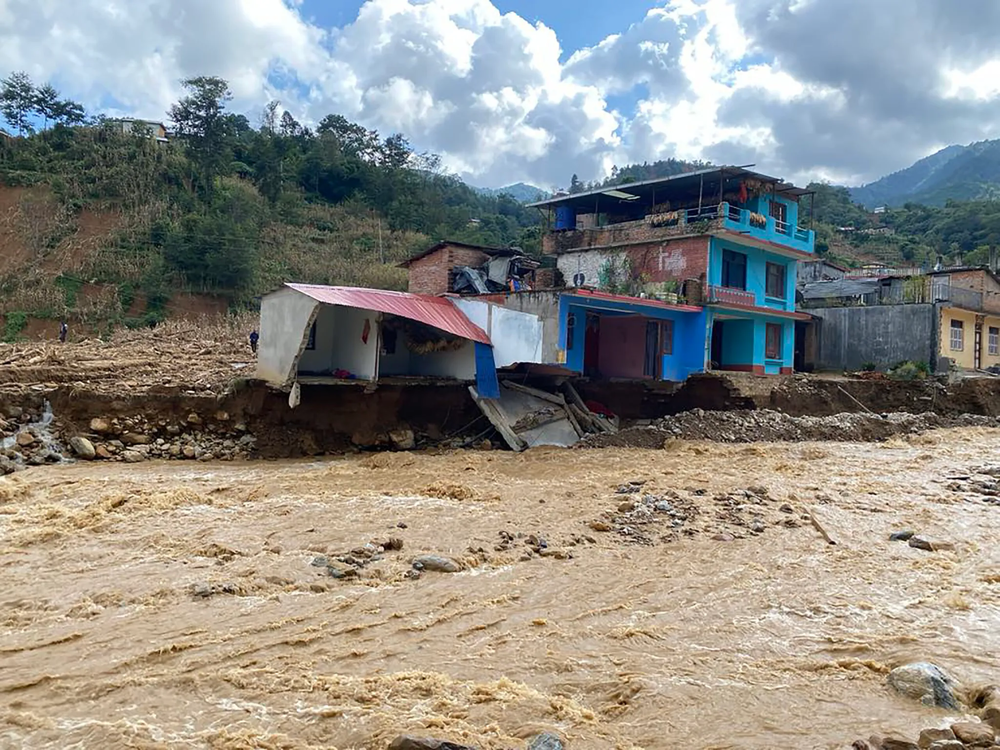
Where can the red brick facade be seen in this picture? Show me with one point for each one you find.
(429, 274)
(677, 260)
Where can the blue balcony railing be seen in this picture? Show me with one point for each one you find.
(766, 228)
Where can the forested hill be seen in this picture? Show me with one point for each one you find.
(954, 173)
(99, 224)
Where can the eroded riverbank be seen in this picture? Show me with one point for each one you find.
(726, 623)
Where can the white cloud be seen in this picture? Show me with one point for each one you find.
(804, 88)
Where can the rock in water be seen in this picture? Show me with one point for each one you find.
(436, 563)
(82, 448)
(929, 545)
(900, 536)
(891, 743)
(546, 741)
(25, 439)
(924, 682)
(406, 742)
(403, 439)
(929, 736)
(973, 734)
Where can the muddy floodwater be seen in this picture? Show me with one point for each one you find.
(186, 605)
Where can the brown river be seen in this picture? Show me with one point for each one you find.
(176, 605)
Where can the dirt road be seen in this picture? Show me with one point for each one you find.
(170, 605)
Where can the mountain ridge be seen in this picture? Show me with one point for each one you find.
(955, 172)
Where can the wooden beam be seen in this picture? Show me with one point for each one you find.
(554, 398)
(497, 419)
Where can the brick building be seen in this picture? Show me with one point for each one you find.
(431, 271)
(701, 267)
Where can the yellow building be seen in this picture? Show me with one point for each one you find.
(970, 339)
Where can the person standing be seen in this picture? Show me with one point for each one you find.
(254, 338)
(63, 331)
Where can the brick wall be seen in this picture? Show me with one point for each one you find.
(679, 260)
(626, 233)
(429, 275)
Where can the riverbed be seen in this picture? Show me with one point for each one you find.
(187, 605)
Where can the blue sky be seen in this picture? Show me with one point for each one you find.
(578, 23)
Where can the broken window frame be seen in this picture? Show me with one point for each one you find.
(993, 340)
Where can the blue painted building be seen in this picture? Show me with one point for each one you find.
(680, 275)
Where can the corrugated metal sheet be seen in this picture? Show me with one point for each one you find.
(437, 312)
(839, 288)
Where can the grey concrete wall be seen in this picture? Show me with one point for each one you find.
(544, 304)
(284, 323)
(849, 337)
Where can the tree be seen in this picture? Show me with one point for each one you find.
(68, 112)
(17, 101)
(575, 186)
(269, 117)
(201, 122)
(46, 104)
(396, 152)
(289, 125)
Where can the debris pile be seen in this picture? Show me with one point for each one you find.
(642, 516)
(195, 356)
(28, 438)
(772, 426)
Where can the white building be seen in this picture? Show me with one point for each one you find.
(326, 334)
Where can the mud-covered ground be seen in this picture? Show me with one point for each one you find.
(623, 598)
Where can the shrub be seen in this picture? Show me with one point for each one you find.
(14, 323)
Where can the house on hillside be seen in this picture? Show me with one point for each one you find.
(152, 128)
(334, 335)
(673, 276)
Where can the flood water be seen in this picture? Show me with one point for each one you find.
(768, 640)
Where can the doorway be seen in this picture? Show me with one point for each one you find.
(592, 345)
(716, 349)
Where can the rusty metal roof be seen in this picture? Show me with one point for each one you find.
(437, 312)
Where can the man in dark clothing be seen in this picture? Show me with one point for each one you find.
(254, 337)
(63, 331)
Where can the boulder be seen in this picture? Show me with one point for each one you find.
(15, 412)
(894, 743)
(900, 536)
(407, 742)
(926, 683)
(222, 416)
(6, 466)
(436, 563)
(100, 426)
(132, 457)
(403, 439)
(82, 448)
(991, 715)
(946, 745)
(929, 545)
(189, 451)
(135, 438)
(929, 736)
(974, 734)
(546, 741)
(193, 418)
(25, 439)
(102, 452)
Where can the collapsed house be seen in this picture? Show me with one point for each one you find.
(336, 336)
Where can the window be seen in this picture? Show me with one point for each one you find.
(994, 340)
(772, 342)
(775, 280)
(734, 270)
(779, 211)
(570, 330)
(957, 338)
(311, 343)
(667, 338)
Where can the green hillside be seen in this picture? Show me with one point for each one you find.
(225, 208)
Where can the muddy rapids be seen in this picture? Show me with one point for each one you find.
(622, 598)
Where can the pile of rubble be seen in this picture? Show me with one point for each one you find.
(29, 438)
(772, 426)
(196, 356)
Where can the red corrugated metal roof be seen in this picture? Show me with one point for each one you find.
(434, 311)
